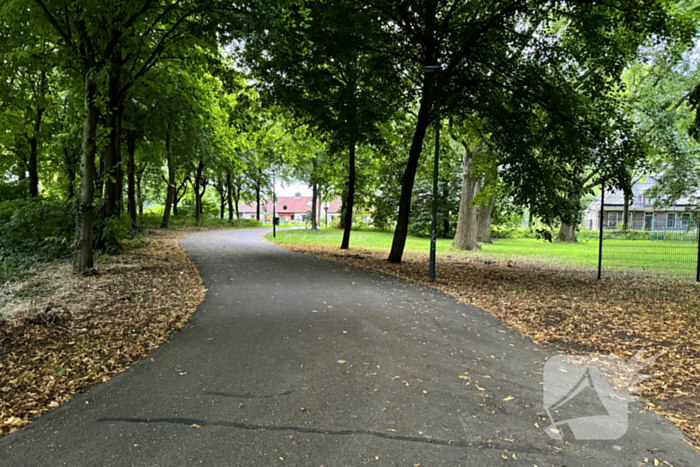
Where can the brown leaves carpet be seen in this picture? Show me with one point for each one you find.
(61, 334)
(570, 311)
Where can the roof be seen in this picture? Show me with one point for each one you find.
(294, 205)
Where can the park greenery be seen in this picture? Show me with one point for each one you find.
(121, 116)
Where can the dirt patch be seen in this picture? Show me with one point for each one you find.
(567, 310)
(62, 333)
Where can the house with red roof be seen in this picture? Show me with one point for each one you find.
(292, 209)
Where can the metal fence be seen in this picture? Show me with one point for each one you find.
(646, 238)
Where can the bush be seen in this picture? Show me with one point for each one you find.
(109, 232)
(511, 232)
(36, 229)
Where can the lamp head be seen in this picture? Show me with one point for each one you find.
(431, 69)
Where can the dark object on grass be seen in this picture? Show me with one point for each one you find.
(543, 234)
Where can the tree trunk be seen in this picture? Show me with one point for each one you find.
(319, 208)
(567, 233)
(314, 210)
(33, 168)
(111, 153)
(446, 220)
(83, 242)
(626, 213)
(350, 201)
(131, 177)
(466, 234)
(483, 234)
(139, 198)
(529, 220)
(399, 242)
(171, 182)
(236, 202)
(344, 199)
(222, 195)
(257, 199)
(198, 182)
(33, 149)
(229, 196)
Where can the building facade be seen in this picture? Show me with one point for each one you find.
(642, 213)
(292, 209)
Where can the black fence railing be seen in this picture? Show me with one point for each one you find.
(645, 238)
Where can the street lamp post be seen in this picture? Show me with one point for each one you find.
(274, 202)
(433, 70)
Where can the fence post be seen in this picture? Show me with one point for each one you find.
(600, 228)
(697, 272)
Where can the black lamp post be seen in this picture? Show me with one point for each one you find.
(433, 70)
(274, 202)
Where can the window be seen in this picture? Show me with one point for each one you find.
(649, 201)
(648, 220)
(612, 220)
(671, 220)
(685, 219)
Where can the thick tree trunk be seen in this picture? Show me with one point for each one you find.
(350, 201)
(399, 242)
(83, 242)
(171, 182)
(466, 234)
(314, 211)
(229, 196)
(483, 234)
(131, 178)
(567, 233)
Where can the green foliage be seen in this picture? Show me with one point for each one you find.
(35, 229)
(8, 270)
(111, 232)
(14, 190)
(511, 232)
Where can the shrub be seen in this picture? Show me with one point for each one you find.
(511, 232)
(109, 232)
(36, 229)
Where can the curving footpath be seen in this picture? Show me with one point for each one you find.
(300, 361)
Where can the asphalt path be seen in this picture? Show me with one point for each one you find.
(295, 360)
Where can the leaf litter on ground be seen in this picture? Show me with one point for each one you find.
(61, 334)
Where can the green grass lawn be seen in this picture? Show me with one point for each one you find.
(675, 258)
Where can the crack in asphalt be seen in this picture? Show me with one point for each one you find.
(318, 431)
